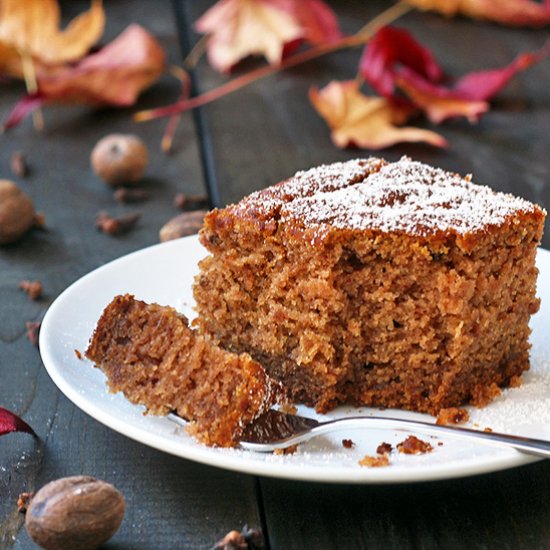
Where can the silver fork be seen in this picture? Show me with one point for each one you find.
(277, 430)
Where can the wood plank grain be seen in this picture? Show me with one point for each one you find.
(172, 503)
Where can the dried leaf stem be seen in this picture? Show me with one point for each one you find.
(357, 39)
(29, 74)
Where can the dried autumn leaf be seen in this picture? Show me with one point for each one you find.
(507, 12)
(240, 28)
(31, 27)
(115, 75)
(366, 122)
(389, 50)
(395, 62)
(10, 422)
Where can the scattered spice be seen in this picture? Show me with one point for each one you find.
(286, 451)
(16, 212)
(78, 354)
(452, 415)
(384, 448)
(119, 159)
(18, 164)
(186, 223)
(348, 444)
(375, 461)
(116, 226)
(414, 446)
(247, 539)
(184, 201)
(24, 501)
(74, 512)
(10, 422)
(32, 288)
(33, 331)
(126, 195)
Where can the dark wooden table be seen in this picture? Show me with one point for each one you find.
(242, 143)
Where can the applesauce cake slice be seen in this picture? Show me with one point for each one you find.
(375, 283)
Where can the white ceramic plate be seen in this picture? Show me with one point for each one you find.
(164, 274)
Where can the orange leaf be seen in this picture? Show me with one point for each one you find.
(239, 28)
(32, 27)
(507, 12)
(115, 75)
(366, 122)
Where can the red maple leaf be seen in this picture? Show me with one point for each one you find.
(10, 422)
(394, 63)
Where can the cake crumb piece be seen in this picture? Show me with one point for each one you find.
(288, 408)
(375, 461)
(452, 415)
(348, 443)
(384, 448)
(414, 446)
(515, 382)
(487, 429)
(78, 354)
(483, 395)
(286, 451)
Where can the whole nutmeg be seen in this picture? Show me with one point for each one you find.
(16, 212)
(119, 159)
(79, 512)
(182, 225)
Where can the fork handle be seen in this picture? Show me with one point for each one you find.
(528, 445)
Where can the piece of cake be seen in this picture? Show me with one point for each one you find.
(149, 353)
(374, 283)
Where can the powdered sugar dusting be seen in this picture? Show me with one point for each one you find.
(403, 196)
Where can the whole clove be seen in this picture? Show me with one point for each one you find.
(116, 226)
(126, 195)
(32, 288)
(184, 201)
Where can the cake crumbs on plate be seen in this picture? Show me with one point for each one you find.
(414, 446)
(375, 461)
(384, 448)
(452, 415)
(348, 443)
(286, 451)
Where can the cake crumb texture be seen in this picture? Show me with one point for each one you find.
(375, 283)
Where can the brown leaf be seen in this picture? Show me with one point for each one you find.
(31, 27)
(366, 122)
(115, 75)
(507, 12)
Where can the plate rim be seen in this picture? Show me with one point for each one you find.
(505, 459)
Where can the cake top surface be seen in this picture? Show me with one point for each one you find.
(403, 196)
